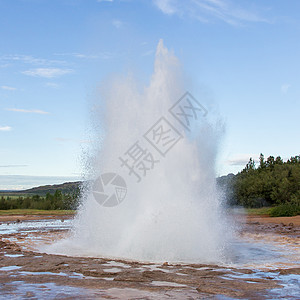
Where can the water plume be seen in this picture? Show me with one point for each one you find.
(174, 213)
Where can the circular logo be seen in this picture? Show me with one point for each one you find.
(109, 189)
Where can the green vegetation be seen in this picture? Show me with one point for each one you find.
(56, 201)
(272, 188)
(259, 211)
(273, 183)
(286, 210)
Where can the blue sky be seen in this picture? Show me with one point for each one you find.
(243, 55)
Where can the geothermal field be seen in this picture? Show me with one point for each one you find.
(152, 223)
(149, 149)
(263, 264)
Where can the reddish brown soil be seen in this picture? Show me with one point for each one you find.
(106, 279)
(275, 220)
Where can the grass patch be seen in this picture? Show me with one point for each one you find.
(259, 211)
(14, 197)
(11, 212)
(286, 210)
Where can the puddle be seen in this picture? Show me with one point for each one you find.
(35, 226)
(156, 268)
(72, 275)
(22, 290)
(112, 270)
(10, 268)
(290, 283)
(290, 287)
(13, 255)
(256, 254)
(116, 264)
(251, 252)
(167, 283)
(181, 274)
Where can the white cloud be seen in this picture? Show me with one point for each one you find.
(5, 128)
(285, 87)
(34, 111)
(86, 56)
(241, 159)
(47, 72)
(28, 59)
(238, 162)
(52, 85)
(2, 66)
(8, 88)
(78, 55)
(166, 6)
(105, 0)
(149, 52)
(208, 10)
(103, 55)
(117, 23)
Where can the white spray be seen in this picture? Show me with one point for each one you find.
(174, 212)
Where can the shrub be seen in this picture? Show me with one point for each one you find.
(286, 210)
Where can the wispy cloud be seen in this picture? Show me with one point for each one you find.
(8, 88)
(285, 87)
(117, 23)
(149, 52)
(208, 10)
(5, 128)
(78, 55)
(105, 0)
(47, 72)
(34, 111)
(166, 6)
(13, 166)
(28, 59)
(238, 162)
(102, 55)
(241, 159)
(2, 66)
(52, 85)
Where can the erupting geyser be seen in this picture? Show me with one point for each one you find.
(172, 211)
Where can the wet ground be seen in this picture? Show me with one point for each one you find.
(266, 265)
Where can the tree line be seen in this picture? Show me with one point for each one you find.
(58, 200)
(272, 182)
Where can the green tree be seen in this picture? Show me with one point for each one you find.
(250, 165)
(262, 163)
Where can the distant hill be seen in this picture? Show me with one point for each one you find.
(224, 182)
(65, 188)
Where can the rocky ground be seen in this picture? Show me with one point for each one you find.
(28, 274)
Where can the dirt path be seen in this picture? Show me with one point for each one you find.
(275, 220)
